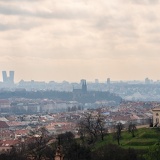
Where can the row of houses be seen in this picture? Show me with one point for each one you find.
(29, 106)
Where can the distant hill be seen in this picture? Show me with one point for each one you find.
(87, 97)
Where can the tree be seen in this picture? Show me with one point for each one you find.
(36, 147)
(101, 125)
(91, 126)
(114, 152)
(71, 149)
(38, 144)
(118, 130)
(65, 137)
(132, 128)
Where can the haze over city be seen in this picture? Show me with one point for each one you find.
(70, 40)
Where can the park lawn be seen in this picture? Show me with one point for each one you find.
(144, 138)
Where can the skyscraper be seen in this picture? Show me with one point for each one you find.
(11, 76)
(8, 79)
(108, 81)
(4, 75)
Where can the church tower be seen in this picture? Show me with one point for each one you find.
(84, 86)
(59, 155)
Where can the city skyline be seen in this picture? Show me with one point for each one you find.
(73, 40)
(8, 77)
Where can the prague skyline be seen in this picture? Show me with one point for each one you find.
(71, 40)
(8, 76)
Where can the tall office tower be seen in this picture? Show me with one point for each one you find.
(8, 79)
(4, 75)
(96, 81)
(82, 81)
(11, 76)
(108, 81)
(147, 81)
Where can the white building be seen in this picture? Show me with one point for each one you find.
(156, 117)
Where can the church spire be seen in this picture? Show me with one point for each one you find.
(59, 155)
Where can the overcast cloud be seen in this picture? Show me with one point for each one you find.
(72, 39)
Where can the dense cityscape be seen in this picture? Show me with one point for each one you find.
(79, 80)
(27, 107)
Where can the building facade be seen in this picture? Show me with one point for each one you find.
(156, 117)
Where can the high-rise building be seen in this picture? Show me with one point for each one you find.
(108, 81)
(96, 81)
(8, 79)
(11, 76)
(4, 75)
(147, 81)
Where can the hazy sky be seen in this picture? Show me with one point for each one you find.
(74, 39)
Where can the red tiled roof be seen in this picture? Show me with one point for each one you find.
(3, 124)
(9, 142)
(22, 131)
(4, 101)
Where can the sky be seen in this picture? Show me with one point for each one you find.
(56, 40)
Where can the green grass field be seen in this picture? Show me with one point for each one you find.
(144, 138)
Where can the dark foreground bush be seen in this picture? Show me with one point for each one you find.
(114, 152)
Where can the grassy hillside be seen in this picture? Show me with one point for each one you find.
(144, 138)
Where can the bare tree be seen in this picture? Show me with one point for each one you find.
(101, 125)
(118, 131)
(38, 145)
(132, 128)
(91, 126)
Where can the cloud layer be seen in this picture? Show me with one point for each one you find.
(70, 40)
